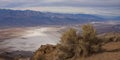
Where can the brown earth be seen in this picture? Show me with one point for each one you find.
(111, 52)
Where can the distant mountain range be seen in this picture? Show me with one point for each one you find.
(36, 18)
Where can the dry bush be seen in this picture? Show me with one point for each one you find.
(90, 38)
(72, 46)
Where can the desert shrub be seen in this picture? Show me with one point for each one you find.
(68, 43)
(90, 38)
(69, 37)
(72, 46)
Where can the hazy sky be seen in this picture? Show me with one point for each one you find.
(102, 7)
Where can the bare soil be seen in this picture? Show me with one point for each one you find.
(111, 52)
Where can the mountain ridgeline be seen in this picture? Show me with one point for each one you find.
(12, 18)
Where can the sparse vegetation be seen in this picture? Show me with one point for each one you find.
(76, 46)
(110, 37)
